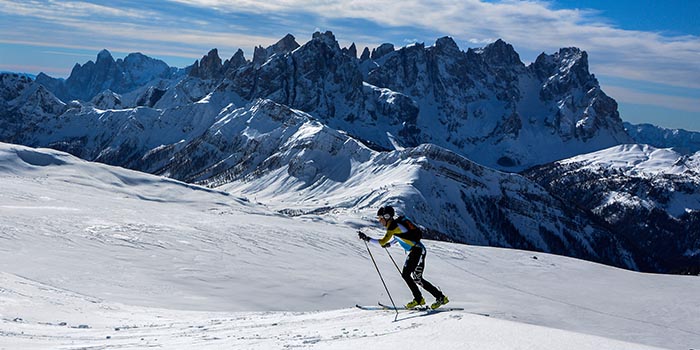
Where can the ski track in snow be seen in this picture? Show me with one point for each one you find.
(573, 305)
(93, 324)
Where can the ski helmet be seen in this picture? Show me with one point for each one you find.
(386, 212)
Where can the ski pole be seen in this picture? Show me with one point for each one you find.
(392, 260)
(382, 278)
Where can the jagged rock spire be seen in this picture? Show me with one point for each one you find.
(382, 50)
(236, 61)
(365, 54)
(446, 44)
(351, 51)
(501, 53)
(285, 45)
(209, 67)
(104, 56)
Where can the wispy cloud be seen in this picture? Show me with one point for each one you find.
(53, 10)
(627, 95)
(23, 68)
(66, 53)
(81, 25)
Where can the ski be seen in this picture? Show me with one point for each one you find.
(428, 309)
(369, 307)
(417, 308)
(422, 308)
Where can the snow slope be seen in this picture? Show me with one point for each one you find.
(639, 160)
(96, 324)
(661, 166)
(94, 256)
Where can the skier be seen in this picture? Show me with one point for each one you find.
(409, 238)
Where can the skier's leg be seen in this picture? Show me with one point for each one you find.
(418, 277)
(408, 268)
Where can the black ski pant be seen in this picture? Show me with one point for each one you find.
(413, 273)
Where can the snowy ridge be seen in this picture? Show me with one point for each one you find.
(116, 258)
(120, 76)
(645, 194)
(297, 165)
(639, 160)
(681, 140)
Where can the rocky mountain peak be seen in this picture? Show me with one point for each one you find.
(563, 71)
(259, 55)
(574, 60)
(571, 53)
(107, 100)
(236, 61)
(284, 45)
(104, 56)
(446, 44)
(417, 94)
(41, 102)
(12, 85)
(365, 54)
(351, 51)
(565, 61)
(121, 76)
(544, 66)
(326, 37)
(135, 58)
(382, 50)
(501, 53)
(209, 67)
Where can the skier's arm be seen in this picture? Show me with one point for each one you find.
(385, 241)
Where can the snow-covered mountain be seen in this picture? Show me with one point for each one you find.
(284, 156)
(298, 165)
(120, 76)
(484, 104)
(94, 256)
(683, 141)
(305, 124)
(487, 105)
(649, 197)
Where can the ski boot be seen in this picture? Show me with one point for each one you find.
(439, 301)
(414, 303)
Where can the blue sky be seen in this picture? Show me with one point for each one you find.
(646, 54)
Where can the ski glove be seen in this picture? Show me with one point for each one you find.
(362, 236)
(386, 245)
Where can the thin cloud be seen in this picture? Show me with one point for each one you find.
(24, 68)
(56, 10)
(626, 95)
(66, 53)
